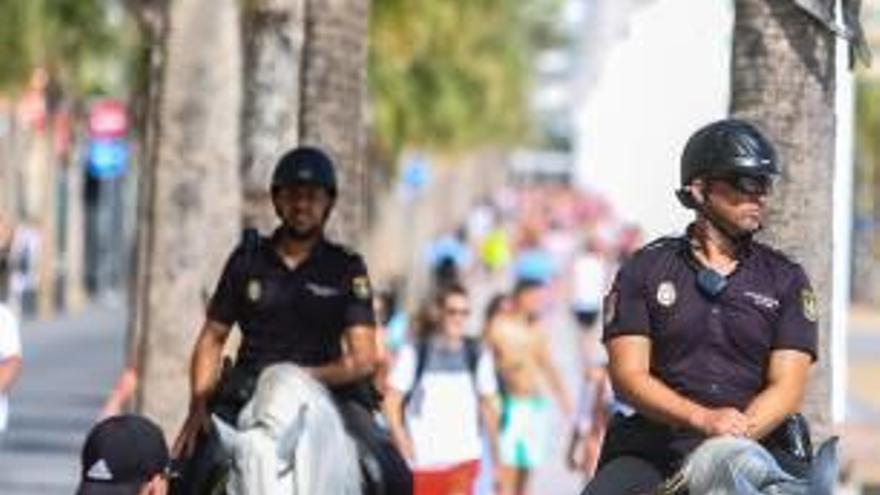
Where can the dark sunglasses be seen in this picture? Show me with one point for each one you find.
(747, 184)
(457, 312)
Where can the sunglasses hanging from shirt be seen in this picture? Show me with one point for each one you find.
(710, 283)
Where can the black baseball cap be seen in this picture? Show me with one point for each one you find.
(120, 455)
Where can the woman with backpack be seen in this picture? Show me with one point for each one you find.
(442, 390)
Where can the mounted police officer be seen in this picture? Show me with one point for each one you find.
(711, 333)
(299, 298)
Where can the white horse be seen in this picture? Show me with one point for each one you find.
(290, 440)
(739, 466)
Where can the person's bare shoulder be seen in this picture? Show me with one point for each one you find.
(7, 231)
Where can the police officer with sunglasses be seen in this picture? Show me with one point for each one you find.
(711, 333)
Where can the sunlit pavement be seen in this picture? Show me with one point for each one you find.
(69, 366)
(861, 433)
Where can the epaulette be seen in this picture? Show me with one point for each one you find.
(775, 253)
(250, 240)
(343, 249)
(670, 241)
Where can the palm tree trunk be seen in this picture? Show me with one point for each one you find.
(190, 212)
(783, 78)
(273, 44)
(333, 99)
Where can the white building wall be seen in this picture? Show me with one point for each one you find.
(663, 72)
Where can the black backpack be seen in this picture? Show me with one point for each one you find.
(472, 348)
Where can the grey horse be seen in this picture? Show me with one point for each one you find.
(740, 466)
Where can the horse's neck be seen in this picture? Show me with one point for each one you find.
(297, 412)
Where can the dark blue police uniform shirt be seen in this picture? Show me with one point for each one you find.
(296, 315)
(714, 352)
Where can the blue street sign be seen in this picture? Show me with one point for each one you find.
(107, 158)
(416, 174)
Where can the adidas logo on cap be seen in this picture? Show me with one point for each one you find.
(100, 471)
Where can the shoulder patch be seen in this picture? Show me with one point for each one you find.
(809, 306)
(360, 287)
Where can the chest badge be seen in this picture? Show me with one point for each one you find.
(254, 290)
(666, 294)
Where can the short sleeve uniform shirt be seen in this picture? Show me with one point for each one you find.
(296, 315)
(714, 351)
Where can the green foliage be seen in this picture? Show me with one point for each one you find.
(72, 39)
(449, 75)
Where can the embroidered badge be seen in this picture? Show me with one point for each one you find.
(666, 294)
(609, 307)
(809, 305)
(254, 290)
(360, 286)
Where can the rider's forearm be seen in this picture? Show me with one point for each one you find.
(787, 375)
(206, 359)
(10, 368)
(348, 368)
(769, 408)
(392, 408)
(656, 400)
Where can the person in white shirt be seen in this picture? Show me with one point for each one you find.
(10, 340)
(441, 387)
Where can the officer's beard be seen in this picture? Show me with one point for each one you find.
(736, 236)
(295, 234)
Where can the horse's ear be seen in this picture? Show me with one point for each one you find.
(228, 435)
(824, 469)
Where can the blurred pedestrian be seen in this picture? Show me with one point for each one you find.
(10, 338)
(522, 352)
(124, 455)
(443, 387)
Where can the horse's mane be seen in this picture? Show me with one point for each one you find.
(293, 417)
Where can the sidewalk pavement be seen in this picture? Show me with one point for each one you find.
(70, 364)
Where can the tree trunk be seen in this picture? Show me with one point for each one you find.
(783, 78)
(273, 44)
(191, 211)
(333, 100)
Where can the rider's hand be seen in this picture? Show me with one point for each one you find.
(197, 421)
(405, 447)
(723, 421)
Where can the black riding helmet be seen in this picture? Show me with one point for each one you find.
(724, 148)
(305, 165)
